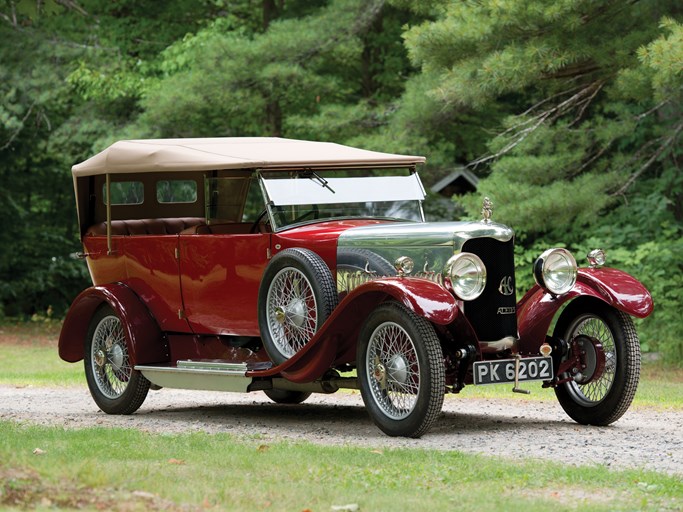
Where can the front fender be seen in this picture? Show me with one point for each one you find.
(620, 290)
(335, 341)
(146, 343)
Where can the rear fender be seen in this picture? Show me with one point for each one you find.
(620, 290)
(335, 341)
(146, 343)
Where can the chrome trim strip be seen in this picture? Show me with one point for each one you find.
(212, 365)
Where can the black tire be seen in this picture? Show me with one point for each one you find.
(284, 396)
(401, 370)
(604, 400)
(114, 385)
(360, 262)
(296, 296)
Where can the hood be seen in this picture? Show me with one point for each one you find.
(409, 235)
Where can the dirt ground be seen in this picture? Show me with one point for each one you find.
(512, 428)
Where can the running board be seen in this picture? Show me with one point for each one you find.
(205, 375)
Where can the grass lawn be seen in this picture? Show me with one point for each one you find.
(118, 469)
(131, 470)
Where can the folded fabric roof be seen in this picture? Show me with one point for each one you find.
(129, 156)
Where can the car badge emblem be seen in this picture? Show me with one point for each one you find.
(505, 287)
(487, 210)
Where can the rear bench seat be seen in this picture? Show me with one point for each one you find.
(170, 226)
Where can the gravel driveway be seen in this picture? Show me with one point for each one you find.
(514, 427)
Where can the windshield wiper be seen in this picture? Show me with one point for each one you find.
(312, 175)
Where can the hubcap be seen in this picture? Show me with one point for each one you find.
(398, 368)
(109, 358)
(296, 312)
(593, 357)
(116, 357)
(394, 370)
(291, 311)
(595, 339)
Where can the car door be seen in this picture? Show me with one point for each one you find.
(220, 275)
(152, 272)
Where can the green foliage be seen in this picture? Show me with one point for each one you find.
(38, 232)
(330, 67)
(569, 112)
(644, 240)
(664, 59)
(590, 98)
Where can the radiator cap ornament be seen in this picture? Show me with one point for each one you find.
(487, 210)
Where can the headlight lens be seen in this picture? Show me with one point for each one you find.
(468, 275)
(555, 271)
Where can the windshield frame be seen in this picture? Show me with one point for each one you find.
(405, 188)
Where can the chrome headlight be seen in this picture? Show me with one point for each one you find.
(467, 274)
(555, 271)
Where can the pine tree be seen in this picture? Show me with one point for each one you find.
(591, 93)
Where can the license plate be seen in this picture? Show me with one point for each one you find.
(530, 368)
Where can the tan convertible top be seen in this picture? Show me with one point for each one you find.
(130, 156)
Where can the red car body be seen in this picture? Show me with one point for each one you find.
(185, 300)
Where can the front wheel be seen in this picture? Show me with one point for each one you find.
(603, 397)
(114, 385)
(401, 371)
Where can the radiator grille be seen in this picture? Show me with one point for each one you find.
(493, 314)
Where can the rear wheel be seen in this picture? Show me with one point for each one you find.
(401, 371)
(114, 385)
(602, 394)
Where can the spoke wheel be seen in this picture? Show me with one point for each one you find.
(296, 296)
(401, 370)
(292, 311)
(600, 397)
(115, 386)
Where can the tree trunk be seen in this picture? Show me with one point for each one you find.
(271, 10)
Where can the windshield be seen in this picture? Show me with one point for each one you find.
(311, 196)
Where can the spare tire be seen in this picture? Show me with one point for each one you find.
(362, 263)
(296, 296)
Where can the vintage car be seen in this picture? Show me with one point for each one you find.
(295, 267)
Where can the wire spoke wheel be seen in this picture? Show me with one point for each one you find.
(401, 370)
(392, 364)
(292, 311)
(109, 357)
(599, 397)
(114, 384)
(595, 390)
(296, 296)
